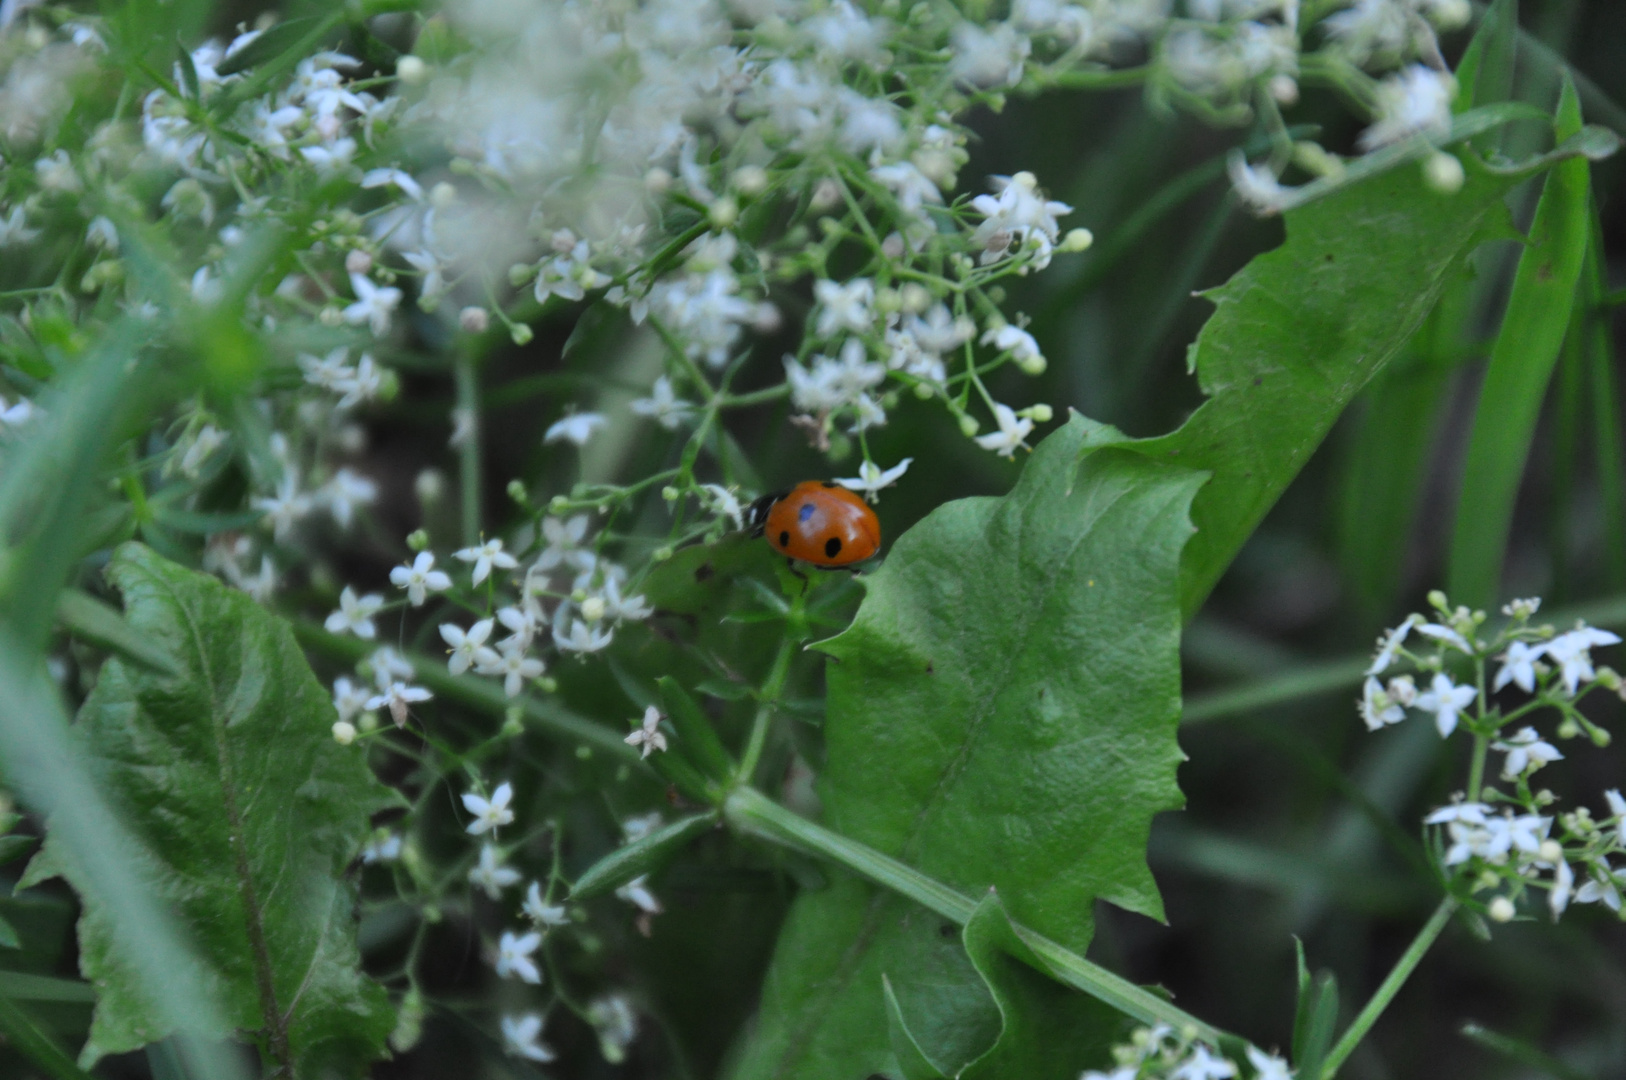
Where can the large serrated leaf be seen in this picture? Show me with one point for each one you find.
(1002, 713)
(227, 771)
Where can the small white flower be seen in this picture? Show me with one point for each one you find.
(14, 228)
(1202, 1065)
(432, 286)
(520, 1035)
(1390, 646)
(844, 306)
(1558, 897)
(21, 413)
(1267, 1066)
(1519, 667)
(285, 508)
(872, 478)
(377, 178)
(576, 428)
(564, 538)
(1018, 218)
(467, 647)
(1604, 886)
(1447, 635)
(484, 557)
(1445, 699)
(346, 491)
(641, 825)
(374, 303)
(1526, 752)
(489, 813)
(618, 608)
(511, 663)
(514, 956)
(361, 383)
(1472, 813)
(1256, 186)
(1012, 430)
(648, 736)
(349, 699)
(991, 56)
(1571, 653)
(1617, 810)
(330, 157)
(1411, 102)
(399, 697)
(207, 440)
(420, 579)
(663, 406)
(355, 614)
(540, 911)
(385, 848)
(1377, 708)
(636, 892)
(1014, 340)
(582, 637)
(492, 876)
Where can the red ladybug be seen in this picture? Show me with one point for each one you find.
(818, 522)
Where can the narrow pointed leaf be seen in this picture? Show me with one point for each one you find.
(639, 857)
(251, 811)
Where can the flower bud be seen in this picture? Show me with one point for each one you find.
(1550, 851)
(893, 246)
(548, 684)
(593, 608)
(1032, 365)
(442, 195)
(723, 213)
(516, 491)
(914, 298)
(888, 300)
(1284, 89)
(661, 554)
(750, 180)
(473, 319)
(411, 70)
(826, 194)
(1443, 173)
(1076, 240)
(331, 316)
(521, 274)
(657, 181)
(1501, 910)
(520, 334)
(430, 486)
(513, 722)
(1040, 413)
(924, 391)
(344, 732)
(669, 493)
(558, 504)
(417, 540)
(968, 425)
(358, 262)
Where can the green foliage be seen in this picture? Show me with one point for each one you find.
(1001, 714)
(252, 813)
(1521, 364)
(640, 857)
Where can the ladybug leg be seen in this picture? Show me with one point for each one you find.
(807, 582)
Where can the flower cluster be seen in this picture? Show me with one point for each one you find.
(1162, 1053)
(1500, 843)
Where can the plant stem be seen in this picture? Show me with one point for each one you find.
(1476, 768)
(468, 450)
(750, 811)
(1391, 986)
(771, 690)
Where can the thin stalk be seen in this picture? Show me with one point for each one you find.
(1391, 986)
(468, 450)
(765, 710)
(749, 811)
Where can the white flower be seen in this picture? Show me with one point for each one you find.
(636, 892)
(420, 579)
(346, 491)
(576, 428)
(1390, 645)
(913, 188)
(1447, 635)
(1519, 667)
(519, 1037)
(286, 507)
(389, 664)
(1267, 1066)
(1018, 214)
(1013, 339)
(1558, 898)
(872, 478)
(564, 538)
(1012, 430)
(484, 557)
(1202, 1065)
(1445, 699)
(662, 406)
(399, 697)
(207, 440)
(1257, 186)
(376, 178)
(514, 955)
(374, 304)
(492, 876)
(623, 608)
(1522, 609)
(330, 157)
(355, 614)
(18, 414)
(844, 306)
(349, 699)
(1617, 810)
(723, 502)
(617, 1025)
(1472, 813)
(1604, 885)
(489, 813)
(540, 911)
(1377, 707)
(1526, 752)
(988, 57)
(1570, 652)
(582, 637)
(1414, 101)
(360, 383)
(432, 286)
(648, 736)
(14, 228)
(641, 825)
(467, 646)
(386, 848)
(512, 664)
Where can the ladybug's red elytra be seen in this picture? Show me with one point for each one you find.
(818, 522)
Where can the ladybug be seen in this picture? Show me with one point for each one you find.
(818, 522)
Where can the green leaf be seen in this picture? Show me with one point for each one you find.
(1300, 330)
(912, 1060)
(8, 935)
(24, 1034)
(1485, 73)
(229, 775)
(274, 42)
(100, 624)
(14, 847)
(1001, 713)
(697, 740)
(639, 857)
(1521, 365)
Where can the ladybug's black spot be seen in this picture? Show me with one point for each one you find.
(704, 572)
(828, 484)
(832, 547)
(805, 512)
(784, 539)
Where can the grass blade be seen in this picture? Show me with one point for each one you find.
(1521, 364)
(25, 1035)
(1522, 1052)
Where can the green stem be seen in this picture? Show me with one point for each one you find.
(771, 690)
(1391, 986)
(468, 451)
(1476, 769)
(749, 811)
